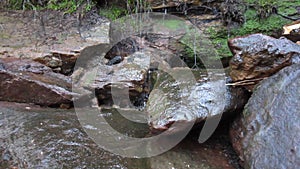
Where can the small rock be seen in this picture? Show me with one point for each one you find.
(115, 60)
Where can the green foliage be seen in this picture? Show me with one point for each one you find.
(266, 26)
(287, 7)
(17, 4)
(255, 22)
(68, 6)
(266, 3)
(264, 7)
(13, 4)
(252, 25)
(112, 13)
(219, 39)
(64, 5)
(261, 3)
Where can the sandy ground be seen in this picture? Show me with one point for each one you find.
(32, 34)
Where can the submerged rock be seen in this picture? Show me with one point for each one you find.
(26, 81)
(268, 133)
(258, 56)
(177, 97)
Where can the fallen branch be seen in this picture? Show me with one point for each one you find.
(245, 82)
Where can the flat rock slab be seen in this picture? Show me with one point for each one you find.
(184, 95)
(258, 56)
(26, 81)
(268, 133)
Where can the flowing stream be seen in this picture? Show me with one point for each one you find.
(33, 137)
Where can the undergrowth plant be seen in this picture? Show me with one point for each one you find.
(64, 5)
(261, 16)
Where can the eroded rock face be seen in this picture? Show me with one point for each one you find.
(258, 56)
(268, 133)
(178, 98)
(26, 81)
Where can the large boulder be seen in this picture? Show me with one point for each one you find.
(258, 56)
(124, 84)
(268, 133)
(26, 81)
(177, 97)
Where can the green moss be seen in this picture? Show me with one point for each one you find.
(112, 13)
(4, 36)
(68, 6)
(266, 26)
(250, 14)
(254, 23)
(171, 24)
(219, 40)
(287, 7)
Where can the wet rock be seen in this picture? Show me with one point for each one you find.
(130, 73)
(292, 31)
(123, 48)
(26, 81)
(2, 66)
(268, 133)
(177, 97)
(128, 78)
(60, 62)
(258, 56)
(115, 60)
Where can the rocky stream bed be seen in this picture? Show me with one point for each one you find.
(54, 68)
